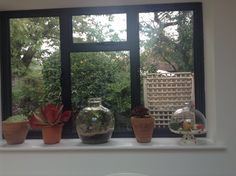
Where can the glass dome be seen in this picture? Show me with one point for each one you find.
(188, 121)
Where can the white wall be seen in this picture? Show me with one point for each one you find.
(220, 72)
(35, 4)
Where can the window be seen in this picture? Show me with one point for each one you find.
(99, 28)
(35, 62)
(102, 74)
(54, 54)
(166, 57)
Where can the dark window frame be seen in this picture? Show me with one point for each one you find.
(132, 45)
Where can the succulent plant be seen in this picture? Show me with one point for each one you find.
(49, 115)
(140, 112)
(16, 118)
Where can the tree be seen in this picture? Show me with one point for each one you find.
(97, 28)
(28, 35)
(36, 59)
(32, 41)
(167, 39)
(35, 48)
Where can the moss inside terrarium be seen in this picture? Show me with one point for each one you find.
(92, 122)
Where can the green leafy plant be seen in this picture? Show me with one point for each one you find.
(16, 118)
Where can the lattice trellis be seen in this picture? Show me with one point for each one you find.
(166, 92)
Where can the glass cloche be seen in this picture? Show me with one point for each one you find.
(188, 121)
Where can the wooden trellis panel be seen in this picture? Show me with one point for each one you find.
(166, 92)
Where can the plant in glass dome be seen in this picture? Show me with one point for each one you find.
(188, 121)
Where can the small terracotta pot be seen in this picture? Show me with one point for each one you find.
(143, 128)
(15, 132)
(52, 134)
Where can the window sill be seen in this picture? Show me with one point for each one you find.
(113, 144)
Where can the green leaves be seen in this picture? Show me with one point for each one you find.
(33, 40)
(166, 41)
(95, 75)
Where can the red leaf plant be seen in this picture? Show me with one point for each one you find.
(140, 112)
(49, 115)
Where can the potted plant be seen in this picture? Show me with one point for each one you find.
(50, 118)
(142, 123)
(15, 129)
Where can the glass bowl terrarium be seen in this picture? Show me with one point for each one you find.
(95, 123)
(188, 122)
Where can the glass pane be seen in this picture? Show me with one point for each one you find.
(105, 75)
(35, 62)
(99, 28)
(166, 49)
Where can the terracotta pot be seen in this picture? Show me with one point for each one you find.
(52, 134)
(143, 128)
(15, 132)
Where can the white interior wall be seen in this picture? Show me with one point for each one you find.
(45, 4)
(220, 73)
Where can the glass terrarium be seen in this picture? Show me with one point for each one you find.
(95, 123)
(189, 122)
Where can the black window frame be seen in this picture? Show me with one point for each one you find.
(132, 45)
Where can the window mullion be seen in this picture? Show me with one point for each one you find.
(66, 41)
(96, 47)
(133, 40)
(198, 57)
(6, 91)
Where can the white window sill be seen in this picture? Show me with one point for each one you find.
(113, 144)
